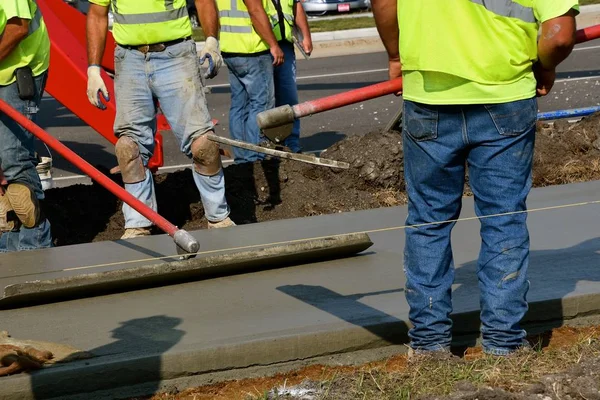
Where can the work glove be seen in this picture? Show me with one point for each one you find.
(95, 87)
(14, 359)
(212, 53)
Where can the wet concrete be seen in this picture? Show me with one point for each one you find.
(264, 318)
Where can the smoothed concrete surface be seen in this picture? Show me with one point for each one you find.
(294, 313)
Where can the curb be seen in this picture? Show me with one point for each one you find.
(80, 380)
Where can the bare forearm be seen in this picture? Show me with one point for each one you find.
(260, 21)
(208, 17)
(16, 30)
(556, 41)
(386, 19)
(96, 30)
(301, 20)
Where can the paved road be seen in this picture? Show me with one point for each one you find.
(577, 87)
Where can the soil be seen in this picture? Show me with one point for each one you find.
(274, 189)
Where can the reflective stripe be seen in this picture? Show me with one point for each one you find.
(35, 23)
(234, 14)
(236, 29)
(169, 4)
(149, 18)
(508, 8)
(115, 9)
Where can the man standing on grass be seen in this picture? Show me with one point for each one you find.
(471, 70)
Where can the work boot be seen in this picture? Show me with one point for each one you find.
(131, 233)
(24, 203)
(227, 222)
(7, 223)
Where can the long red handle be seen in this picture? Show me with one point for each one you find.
(389, 87)
(88, 169)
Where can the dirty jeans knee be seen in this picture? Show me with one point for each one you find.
(144, 192)
(212, 193)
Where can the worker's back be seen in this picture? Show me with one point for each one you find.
(470, 51)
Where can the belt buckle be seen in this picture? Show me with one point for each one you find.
(144, 49)
(158, 47)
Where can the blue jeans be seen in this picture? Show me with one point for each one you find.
(252, 91)
(496, 142)
(173, 78)
(18, 161)
(286, 91)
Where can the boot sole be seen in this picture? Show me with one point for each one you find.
(24, 203)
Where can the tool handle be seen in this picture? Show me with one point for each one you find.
(88, 169)
(389, 87)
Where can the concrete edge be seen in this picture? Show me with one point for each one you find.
(80, 379)
(170, 272)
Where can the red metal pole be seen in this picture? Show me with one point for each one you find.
(88, 169)
(389, 87)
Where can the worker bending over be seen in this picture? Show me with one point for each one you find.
(24, 60)
(472, 70)
(155, 58)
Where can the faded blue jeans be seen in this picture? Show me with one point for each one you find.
(252, 91)
(286, 91)
(496, 142)
(18, 161)
(172, 77)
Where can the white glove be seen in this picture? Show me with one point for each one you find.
(212, 53)
(95, 86)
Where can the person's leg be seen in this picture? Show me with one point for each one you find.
(177, 85)
(261, 96)
(135, 124)
(238, 111)
(18, 161)
(500, 168)
(286, 91)
(434, 156)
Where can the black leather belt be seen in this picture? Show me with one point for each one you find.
(156, 47)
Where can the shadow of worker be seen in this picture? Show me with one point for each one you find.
(136, 352)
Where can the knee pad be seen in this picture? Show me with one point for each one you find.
(207, 159)
(130, 160)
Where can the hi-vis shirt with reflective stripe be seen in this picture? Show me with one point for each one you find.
(287, 7)
(237, 33)
(492, 43)
(34, 50)
(147, 22)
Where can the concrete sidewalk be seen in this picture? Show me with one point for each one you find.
(164, 337)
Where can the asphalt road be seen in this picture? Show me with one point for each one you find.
(577, 86)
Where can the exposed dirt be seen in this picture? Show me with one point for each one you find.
(275, 190)
(564, 365)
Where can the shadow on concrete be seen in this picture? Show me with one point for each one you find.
(93, 153)
(54, 114)
(350, 309)
(147, 338)
(321, 140)
(578, 74)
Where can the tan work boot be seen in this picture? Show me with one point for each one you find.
(24, 203)
(131, 233)
(6, 225)
(227, 222)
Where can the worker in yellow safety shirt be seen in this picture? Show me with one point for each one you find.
(471, 72)
(155, 58)
(24, 60)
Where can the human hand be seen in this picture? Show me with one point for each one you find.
(277, 54)
(395, 71)
(95, 87)
(212, 53)
(545, 79)
(307, 45)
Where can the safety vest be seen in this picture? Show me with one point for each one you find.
(287, 11)
(237, 33)
(34, 50)
(150, 21)
(457, 45)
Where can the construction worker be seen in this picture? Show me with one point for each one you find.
(155, 58)
(250, 51)
(291, 16)
(24, 60)
(471, 71)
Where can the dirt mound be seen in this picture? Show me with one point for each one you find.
(274, 189)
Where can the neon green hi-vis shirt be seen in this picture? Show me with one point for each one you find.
(472, 51)
(34, 50)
